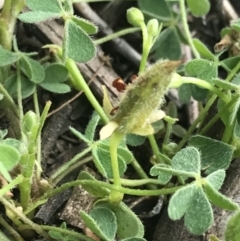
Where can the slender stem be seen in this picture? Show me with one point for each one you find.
(199, 119)
(227, 134)
(141, 182)
(136, 192)
(80, 84)
(115, 139)
(71, 168)
(10, 230)
(63, 168)
(74, 235)
(11, 185)
(180, 80)
(218, 115)
(168, 133)
(186, 28)
(20, 215)
(141, 173)
(233, 72)
(19, 92)
(154, 145)
(116, 35)
(39, 139)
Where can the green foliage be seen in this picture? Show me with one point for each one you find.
(102, 221)
(76, 43)
(135, 140)
(232, 232)
(73, 36)
(34, 70)
(194, 192)
(9, 157)
(168, 45)
(100, 150)
(7, 57)
(203, 50)
(94, 190)
(156, 9)
(55, 75)
(129, 225)
(214, 154)
(199, 8)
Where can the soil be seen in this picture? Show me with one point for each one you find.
(115, 58)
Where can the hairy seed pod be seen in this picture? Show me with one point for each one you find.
(144, 96)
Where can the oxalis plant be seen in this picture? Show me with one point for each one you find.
(197, 162)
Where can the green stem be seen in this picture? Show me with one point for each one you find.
(39, 139)
(8, 18)
(180, 80)
(141, 182)
(186, 28)
(10, 230)
(63, 168)
(199, 119)
(27, 221)
(168, 133)
(228, 132)
(69, 233)
(141, 173)
(218, 115)
(116, 35)
(154, 145)
(136, 192)
(115, 139)
(145, 48)
(19, 92)
(233, 72)
(79, 83)
(11, 185)
(71, 168)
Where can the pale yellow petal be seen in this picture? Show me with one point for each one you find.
(108, 129)
(144, 131)
(156, 115)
